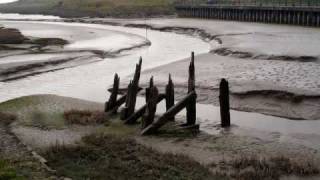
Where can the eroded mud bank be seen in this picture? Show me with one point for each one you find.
(241, 40)
(23, 54)
(215, 150)
(285, 89)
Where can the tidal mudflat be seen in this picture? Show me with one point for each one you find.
(272, 72)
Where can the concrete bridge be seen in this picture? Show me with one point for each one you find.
(296, 14)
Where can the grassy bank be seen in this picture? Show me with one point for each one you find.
(94, 8)
(110, 153)
(114, 157)
(113, 150)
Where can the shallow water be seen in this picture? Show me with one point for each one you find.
(80, 36)
(31, 16)
(90, 82)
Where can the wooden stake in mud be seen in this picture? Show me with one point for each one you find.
(111, 104)
(224, 103)
(133, 89)
(191, 107)
(148, 89)
(151, 107)
(170, 95)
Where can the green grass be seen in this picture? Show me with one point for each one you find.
(8, 172)
(6, 118)
(114, 157)
(115, 8)
(13, 105)
(44, 120)
(253, 167)
(116, 127)
(35, 112)
(92, 7)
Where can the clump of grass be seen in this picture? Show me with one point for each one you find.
(50, 42)
(17, 104)
(114, 157)
(7, 118)
(44, 120)
(273, 168)
(84, 117)
(118, 128)
(8, 172)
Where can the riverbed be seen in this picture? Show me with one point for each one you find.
(169, 52)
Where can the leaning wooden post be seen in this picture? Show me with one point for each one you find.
(152, 128)
(170, 95)
(133, 90)
(150, 112)
(224, 103)
(191, 107)
(111, 104)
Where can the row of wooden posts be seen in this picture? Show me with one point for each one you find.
(270, 14)
(150, 124)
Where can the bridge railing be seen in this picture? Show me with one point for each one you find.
(267, 3)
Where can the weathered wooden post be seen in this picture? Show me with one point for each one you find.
(191, 107)
(148, 89)
(224, 103)
(111, 103)
(170, 95)
(124, 111)
(151, 107)
(133, 89)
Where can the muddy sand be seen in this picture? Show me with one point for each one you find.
(254, 87)
(272, 69)
(27, 51)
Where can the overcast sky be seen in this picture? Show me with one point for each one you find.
(6, 1)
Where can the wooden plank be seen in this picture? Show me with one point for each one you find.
(152, 128)
(139, 113)
(122, 91)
